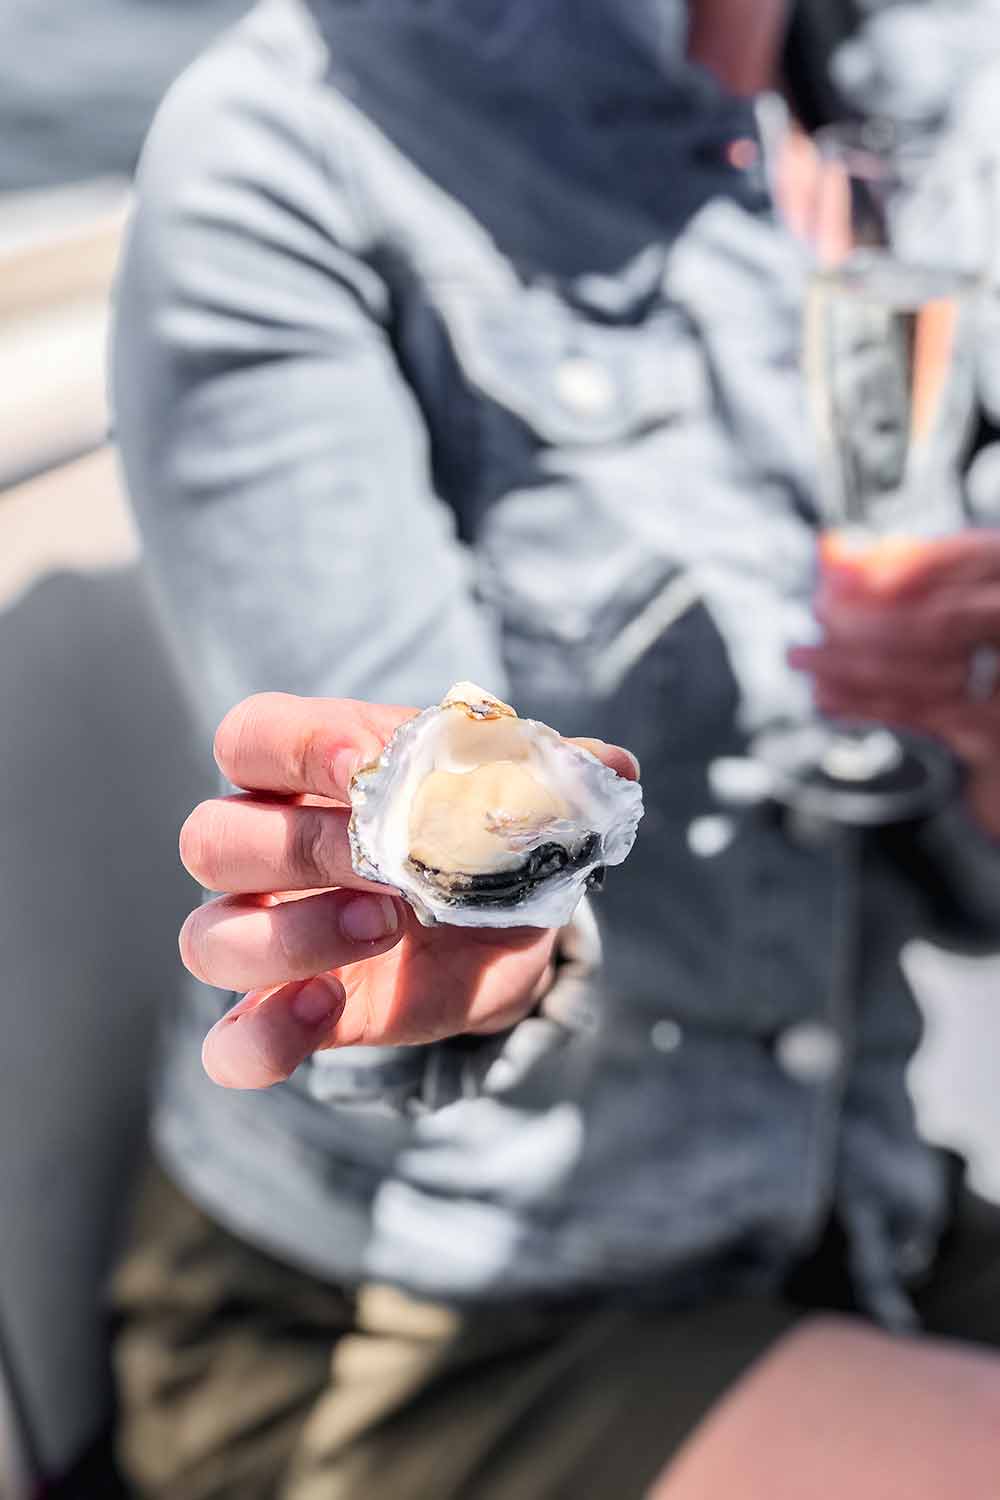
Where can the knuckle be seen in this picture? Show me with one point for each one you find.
(291, 941)
(307, 760)
(310, 853)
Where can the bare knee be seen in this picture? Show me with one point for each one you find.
(836, 1407)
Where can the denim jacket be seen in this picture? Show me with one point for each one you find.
(450, 343)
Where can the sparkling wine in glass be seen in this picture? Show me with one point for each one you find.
(902, 237)
(889, 360)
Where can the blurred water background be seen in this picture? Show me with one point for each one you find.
(79, 80)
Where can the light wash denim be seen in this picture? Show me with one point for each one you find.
(450, 345)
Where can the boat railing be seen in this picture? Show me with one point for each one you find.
(58, 250)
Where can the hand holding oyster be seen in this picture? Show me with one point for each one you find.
(482, 819)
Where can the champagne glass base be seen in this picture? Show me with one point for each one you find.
(859, 775)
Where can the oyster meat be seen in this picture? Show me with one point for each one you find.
(482, 819)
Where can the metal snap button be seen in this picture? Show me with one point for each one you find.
(810, 1052)
(710, 835)
(585, 386)
(666, 1036)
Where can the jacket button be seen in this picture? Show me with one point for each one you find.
(585, 386)
(666, 1036)
(711, 835)
(809, 1052)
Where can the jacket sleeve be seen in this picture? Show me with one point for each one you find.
(275, 456)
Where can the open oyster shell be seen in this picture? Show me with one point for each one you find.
(482, 819)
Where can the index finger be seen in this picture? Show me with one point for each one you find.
(277, 742)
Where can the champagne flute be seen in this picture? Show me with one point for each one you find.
(903, 239)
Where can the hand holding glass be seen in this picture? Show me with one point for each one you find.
(902, 241)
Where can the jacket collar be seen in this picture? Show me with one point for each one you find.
(656, 28)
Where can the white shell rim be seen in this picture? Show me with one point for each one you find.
(614, 804)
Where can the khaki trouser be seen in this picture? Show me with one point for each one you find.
(242, 1379)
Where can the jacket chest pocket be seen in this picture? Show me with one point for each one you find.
(586, 429)
(544, 375)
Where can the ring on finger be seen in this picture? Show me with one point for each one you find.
(983, 675)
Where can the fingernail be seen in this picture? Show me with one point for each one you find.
(605, 751)
(633, 761)
(319, 1000)
(367, 918)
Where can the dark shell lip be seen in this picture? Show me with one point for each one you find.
(509, 887)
